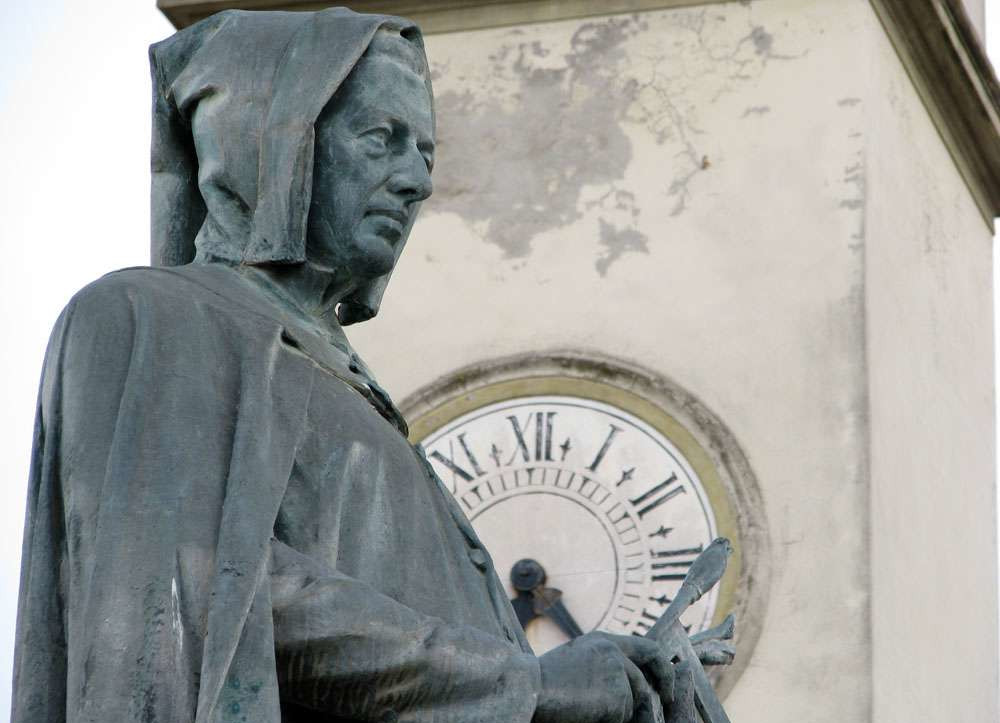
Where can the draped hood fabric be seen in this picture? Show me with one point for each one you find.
(171, 411)
(235, 100)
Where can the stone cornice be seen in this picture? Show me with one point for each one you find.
(434, 16)
(947, 63)
(934, 39)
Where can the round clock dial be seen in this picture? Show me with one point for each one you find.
(604, 503)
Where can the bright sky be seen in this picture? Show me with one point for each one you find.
(74, 197)
(74, 200)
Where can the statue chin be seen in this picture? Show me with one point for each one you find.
(374, 255)
(378, 263)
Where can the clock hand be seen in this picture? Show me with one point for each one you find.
(554, 608)
(524, 608)
(534, 599)
(525, 576)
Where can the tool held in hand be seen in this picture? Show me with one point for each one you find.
(703, 575)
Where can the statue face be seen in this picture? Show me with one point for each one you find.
(373, 155)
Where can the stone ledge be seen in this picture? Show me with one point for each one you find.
(947, 63)
(434, 16)
(935, 40)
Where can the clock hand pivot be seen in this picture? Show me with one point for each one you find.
(526, 575)
(534, 599)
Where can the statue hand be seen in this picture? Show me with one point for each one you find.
(604, 678)
(715, 652)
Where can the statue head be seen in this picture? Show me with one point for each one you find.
(282, 136)
(373, 155)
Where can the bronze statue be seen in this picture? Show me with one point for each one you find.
(226, 521)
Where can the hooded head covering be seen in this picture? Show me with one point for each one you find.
(235, 100)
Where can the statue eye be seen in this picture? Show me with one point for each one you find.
(378, 137)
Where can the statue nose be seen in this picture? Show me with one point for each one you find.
(412, 178)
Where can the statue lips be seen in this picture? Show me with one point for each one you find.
(391, 222)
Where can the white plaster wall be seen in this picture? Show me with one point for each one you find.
(930, 349)
(977, 13)
(688, 189)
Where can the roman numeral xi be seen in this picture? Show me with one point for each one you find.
(455, 468)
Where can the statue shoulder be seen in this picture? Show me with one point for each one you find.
(158, 294)
(130, 285)
(161, 320)
(153, 302)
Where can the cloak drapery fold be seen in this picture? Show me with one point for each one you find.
(172, 407)
(165, 435)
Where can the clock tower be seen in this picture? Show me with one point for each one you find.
(718, 268)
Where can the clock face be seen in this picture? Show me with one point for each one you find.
(607, 505)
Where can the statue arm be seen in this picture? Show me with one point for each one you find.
(345, 649)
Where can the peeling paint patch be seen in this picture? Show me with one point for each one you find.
(680, 191)
(618, 224)
(763, 41)
(532, 160)
(618, 241)
(536, 135)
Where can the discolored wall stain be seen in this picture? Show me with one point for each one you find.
(617, 242)
(542, 135)
(530, 159)
(856, 180)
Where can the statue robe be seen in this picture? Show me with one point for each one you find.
(224, 518)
